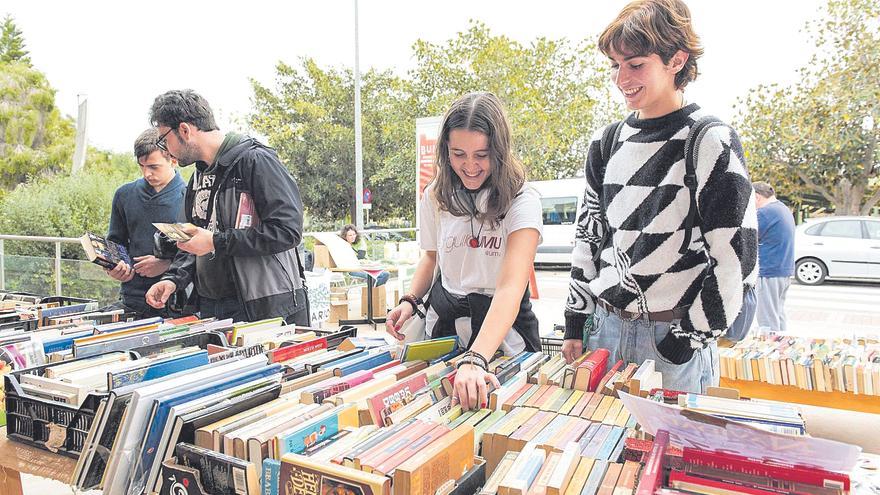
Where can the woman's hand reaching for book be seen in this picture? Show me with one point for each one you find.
(396, 318)
(122, 272)
(472, 386)
(159, 293)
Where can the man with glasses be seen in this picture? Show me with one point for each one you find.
(155, 197)
(242, 256)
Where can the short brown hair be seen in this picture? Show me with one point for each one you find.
(655, 26)
(764, 189)
(146, 143)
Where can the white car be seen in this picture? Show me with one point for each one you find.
(560, 203)
(837, 248)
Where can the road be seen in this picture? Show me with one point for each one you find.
(832, 309)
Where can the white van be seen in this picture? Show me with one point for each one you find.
(560, 204)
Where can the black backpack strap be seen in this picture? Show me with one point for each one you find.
(610, 137)
(691, 151)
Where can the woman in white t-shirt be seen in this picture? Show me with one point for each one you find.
(481, 224)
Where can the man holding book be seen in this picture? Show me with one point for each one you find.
(155, 197)
(248, 214)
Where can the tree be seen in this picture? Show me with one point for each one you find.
(556, 95)
(12, 43)
(556, 92)
(34, 137)
(820, 135)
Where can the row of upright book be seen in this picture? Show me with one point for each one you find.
(823, 365)
(208, 406)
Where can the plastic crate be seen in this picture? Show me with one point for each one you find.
(46, 424)
(334, 337)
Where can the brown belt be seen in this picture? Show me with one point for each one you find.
(665, 316)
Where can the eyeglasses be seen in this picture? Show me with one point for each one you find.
(161, 143)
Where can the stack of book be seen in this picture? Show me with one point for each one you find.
(824, 365)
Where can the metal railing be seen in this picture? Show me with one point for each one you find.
(75, 240)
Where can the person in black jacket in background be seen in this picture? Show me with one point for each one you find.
(248, 216)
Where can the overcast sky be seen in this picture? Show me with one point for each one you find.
(122, 54)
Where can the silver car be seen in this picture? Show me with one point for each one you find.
(837, 248)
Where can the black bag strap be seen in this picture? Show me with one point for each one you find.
(610, 137)
(691, 151)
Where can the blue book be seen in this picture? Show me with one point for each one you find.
(66, 310)
(157, 369)
(271, 475)
(316, 429)
(588, 436)
(530, 468)
(610, 443)
(64, 343)
(363, 363)
(145, 475)
(442, 359)
(595, 477)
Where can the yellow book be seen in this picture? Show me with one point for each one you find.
(603, 408)
(579, 478)
(570, 403)
(613, 411)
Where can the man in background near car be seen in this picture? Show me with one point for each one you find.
(775, 257)
(155, 197)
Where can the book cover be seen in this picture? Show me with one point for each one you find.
(444, 459)
(156, 369)
(428, 349)
(366, 362)
(591, 370)
(301, 475)
(220, 474)
(328, 388)
(175, 231)
(104, 252)
(271, 475)
(247, 212)
(315, 430)
(385, 402)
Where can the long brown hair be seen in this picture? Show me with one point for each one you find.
(480, 112)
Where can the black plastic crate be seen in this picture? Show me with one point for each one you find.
(551, 345)
(46, 424)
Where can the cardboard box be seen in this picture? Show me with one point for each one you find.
(380, 307)
(338, 311)
(322, 256)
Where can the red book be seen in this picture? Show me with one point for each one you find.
(296, 350)
(771, 469)
(683, 481)
(383, 367)
(652, 474)
(411, 450)
(591, 370)
(392, 398)
(247, 213)
(600, 387)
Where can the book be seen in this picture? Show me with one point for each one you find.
(444, 459)
(591, 370)
(220, 474)
(579, 477)
(247, 216)
(301, 475)
(427, 350)
(652, 473)
(271, 476)
(175, 231)
(311, 431)
(104, 252)
(392, 398)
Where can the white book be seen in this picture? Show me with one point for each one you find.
(79, 392)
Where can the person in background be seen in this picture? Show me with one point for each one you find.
(155, 197)
(775, 257)
(639, 287)
(353, 237)
(248, 214)
(481, 225)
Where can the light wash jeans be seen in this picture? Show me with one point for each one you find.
(634, 341)
(771, 304)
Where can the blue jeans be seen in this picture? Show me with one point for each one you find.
(380, 280)
(634, 341)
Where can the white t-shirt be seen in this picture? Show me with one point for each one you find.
(464, 269)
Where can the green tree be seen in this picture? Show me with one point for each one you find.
(556, 94)
(820, 135)
(34, 137)
(12, 43)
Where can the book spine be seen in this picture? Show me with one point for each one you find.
(271, 475)
(289, 352)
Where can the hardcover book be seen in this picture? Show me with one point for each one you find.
(104, 252)
(301, 475)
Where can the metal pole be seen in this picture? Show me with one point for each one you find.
(358, 155)
(57, 268)
(2, 266)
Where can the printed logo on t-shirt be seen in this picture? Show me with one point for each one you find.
(202, 188)
(489, 244)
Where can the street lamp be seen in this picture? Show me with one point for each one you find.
(358, 141)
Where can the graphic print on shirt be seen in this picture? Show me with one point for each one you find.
(490, 243)
(202, 186)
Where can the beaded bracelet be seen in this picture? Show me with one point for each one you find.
(474, 359)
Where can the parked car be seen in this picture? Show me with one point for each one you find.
(837, 248)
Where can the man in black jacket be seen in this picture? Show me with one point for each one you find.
(248, 212)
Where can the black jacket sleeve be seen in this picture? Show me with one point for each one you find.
(278, 203)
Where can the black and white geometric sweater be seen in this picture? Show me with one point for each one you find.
(646, 203)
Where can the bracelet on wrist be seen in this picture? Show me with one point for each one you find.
(475, 359)
(414, 302)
